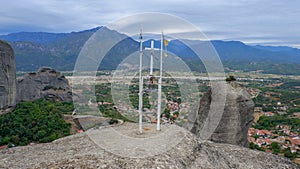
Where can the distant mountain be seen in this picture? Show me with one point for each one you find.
(277, 48)
(60, 51)
(36, 37)
(236, 55)
(236, 50)
(295, 52)
(39, 37)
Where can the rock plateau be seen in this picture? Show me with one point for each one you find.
(80, 151)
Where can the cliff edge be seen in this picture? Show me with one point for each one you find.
(7, 76)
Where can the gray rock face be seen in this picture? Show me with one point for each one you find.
(79, 151)
(233, 123)
(7, 76)
(46, 82)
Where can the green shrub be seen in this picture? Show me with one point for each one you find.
(230, 78)
(113, 121)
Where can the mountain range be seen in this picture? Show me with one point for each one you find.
(60, 51)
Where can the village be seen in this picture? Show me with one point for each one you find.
(282, 135)
(276, 121)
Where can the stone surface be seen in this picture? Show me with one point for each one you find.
(7, 76)
(46, 82)
(79, 151)
(228, 126)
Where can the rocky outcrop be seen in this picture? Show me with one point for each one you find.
(7, 76)
(45, 83)
(233, 123)
(79, 151)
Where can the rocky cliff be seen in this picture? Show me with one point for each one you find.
(79, 151)
(7, 76)
(235, 120)
(46, 82)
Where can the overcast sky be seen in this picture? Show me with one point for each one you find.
(266, 22)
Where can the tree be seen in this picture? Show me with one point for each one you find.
(289, 154)
(251, 145)
(256, 136)
(167, 112)
(275, 147)
(230, 78)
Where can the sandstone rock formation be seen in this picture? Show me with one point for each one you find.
(7, 76)
(46, 82)
(79, 151)
(235, 120)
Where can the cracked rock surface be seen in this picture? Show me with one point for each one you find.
(80, 151)
(7, 76)
(225, 114)
(46, 82)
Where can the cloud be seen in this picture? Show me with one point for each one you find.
(271, 20)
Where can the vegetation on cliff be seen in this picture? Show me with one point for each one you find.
(35, 121)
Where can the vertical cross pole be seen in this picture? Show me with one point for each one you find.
(151, 58)
(159, 85)
(141, 86)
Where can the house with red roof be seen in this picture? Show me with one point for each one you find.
(269, 114)
(268, 141)
(265, 133)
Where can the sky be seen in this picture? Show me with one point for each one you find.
(264, 22)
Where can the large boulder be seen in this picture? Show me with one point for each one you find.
(227, 120)
(45, 83)
(7, 76)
